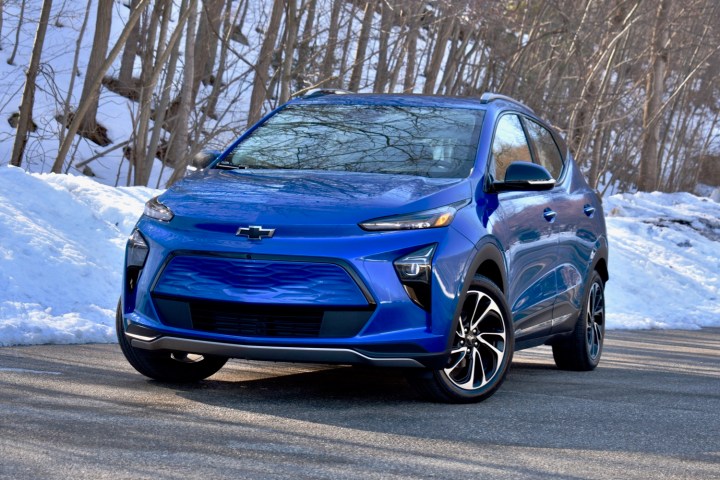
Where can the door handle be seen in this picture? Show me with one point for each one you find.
(549, 215)
(589, 210)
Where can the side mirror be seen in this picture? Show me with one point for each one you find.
(202, 159)
(525, 176)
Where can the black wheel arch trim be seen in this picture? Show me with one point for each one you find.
(487, 249)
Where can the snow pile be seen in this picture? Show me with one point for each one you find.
(664, 261)
(62, 240)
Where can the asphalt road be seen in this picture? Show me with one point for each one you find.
(651, 410)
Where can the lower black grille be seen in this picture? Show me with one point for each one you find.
(255, 321)
(261, 320)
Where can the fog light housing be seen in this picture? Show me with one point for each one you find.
(136, 252)
(415, 273)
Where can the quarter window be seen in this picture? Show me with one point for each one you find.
(509, 145)
(546, 148)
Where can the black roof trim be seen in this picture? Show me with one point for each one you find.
(488, 97)
(319, 92)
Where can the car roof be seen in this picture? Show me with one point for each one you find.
(400, 99)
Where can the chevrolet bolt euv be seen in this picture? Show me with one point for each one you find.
(433, 234)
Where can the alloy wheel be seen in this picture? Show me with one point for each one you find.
(595, 312)
(479, 346)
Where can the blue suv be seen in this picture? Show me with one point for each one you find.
(433, 234)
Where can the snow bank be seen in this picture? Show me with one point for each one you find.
(62, 239)
(61, 251)
(664, 261)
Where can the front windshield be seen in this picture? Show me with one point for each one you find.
(422, 141)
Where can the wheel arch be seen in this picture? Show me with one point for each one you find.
(600, 261)
(488, 261)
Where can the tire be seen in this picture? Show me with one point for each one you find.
(481, 352)
(581, 351)
(165, 366)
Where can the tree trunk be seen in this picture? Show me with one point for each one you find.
(83, 106)
(71, 86)
(28, 98)
(206, 43)
(127, 63)
(327, 78)
(161, 110)
(147, 86)
(214, 96)
(291, 29)
(356, 75)
(91, 95)
(178, 148)
(11, 60)
(412, 36)
(1, 22)
(215, 16)
(433, 66)
(381, 73)
(301, 79)
(654, 87)
(260, 81)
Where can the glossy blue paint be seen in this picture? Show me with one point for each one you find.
(320, 257)
(259, 281)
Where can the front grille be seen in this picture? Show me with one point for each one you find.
(256, 321)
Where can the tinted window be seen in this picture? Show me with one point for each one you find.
(424, 141)
(547, 150)
(509, 145)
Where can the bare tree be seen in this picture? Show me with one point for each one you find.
(28, 98)
(90, 94)
(11, 60)
(1, 22)
(261, 79)
(649, 163)
(357, 70)
(84, 106)
(178, 148)
(291, 29)
(127, 62)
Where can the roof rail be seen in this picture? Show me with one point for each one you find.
(488, 97)
(319, 92)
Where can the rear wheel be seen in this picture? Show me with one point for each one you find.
(581, 351)
(166, 366)
(481, 351)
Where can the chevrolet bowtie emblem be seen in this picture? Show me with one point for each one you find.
(255, 232)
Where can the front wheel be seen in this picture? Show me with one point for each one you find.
(581, 351)
(166, 366)
(481, 351)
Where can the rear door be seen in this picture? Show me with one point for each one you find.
(574, 206)
(524, 227)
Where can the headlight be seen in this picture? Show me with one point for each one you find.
(437, 217)
(158, 211)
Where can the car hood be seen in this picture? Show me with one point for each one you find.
(281, 197)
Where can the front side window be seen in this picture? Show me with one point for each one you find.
(546, 148)
(422, 141)
(509, 145)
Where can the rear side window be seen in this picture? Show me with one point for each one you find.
(546, 148)
(509, 145)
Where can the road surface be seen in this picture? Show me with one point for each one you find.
(650, 411)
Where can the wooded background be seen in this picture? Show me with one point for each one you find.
(633, 84)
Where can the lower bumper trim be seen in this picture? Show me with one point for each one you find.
(279, 354)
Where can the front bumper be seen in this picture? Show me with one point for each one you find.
(372, 321)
